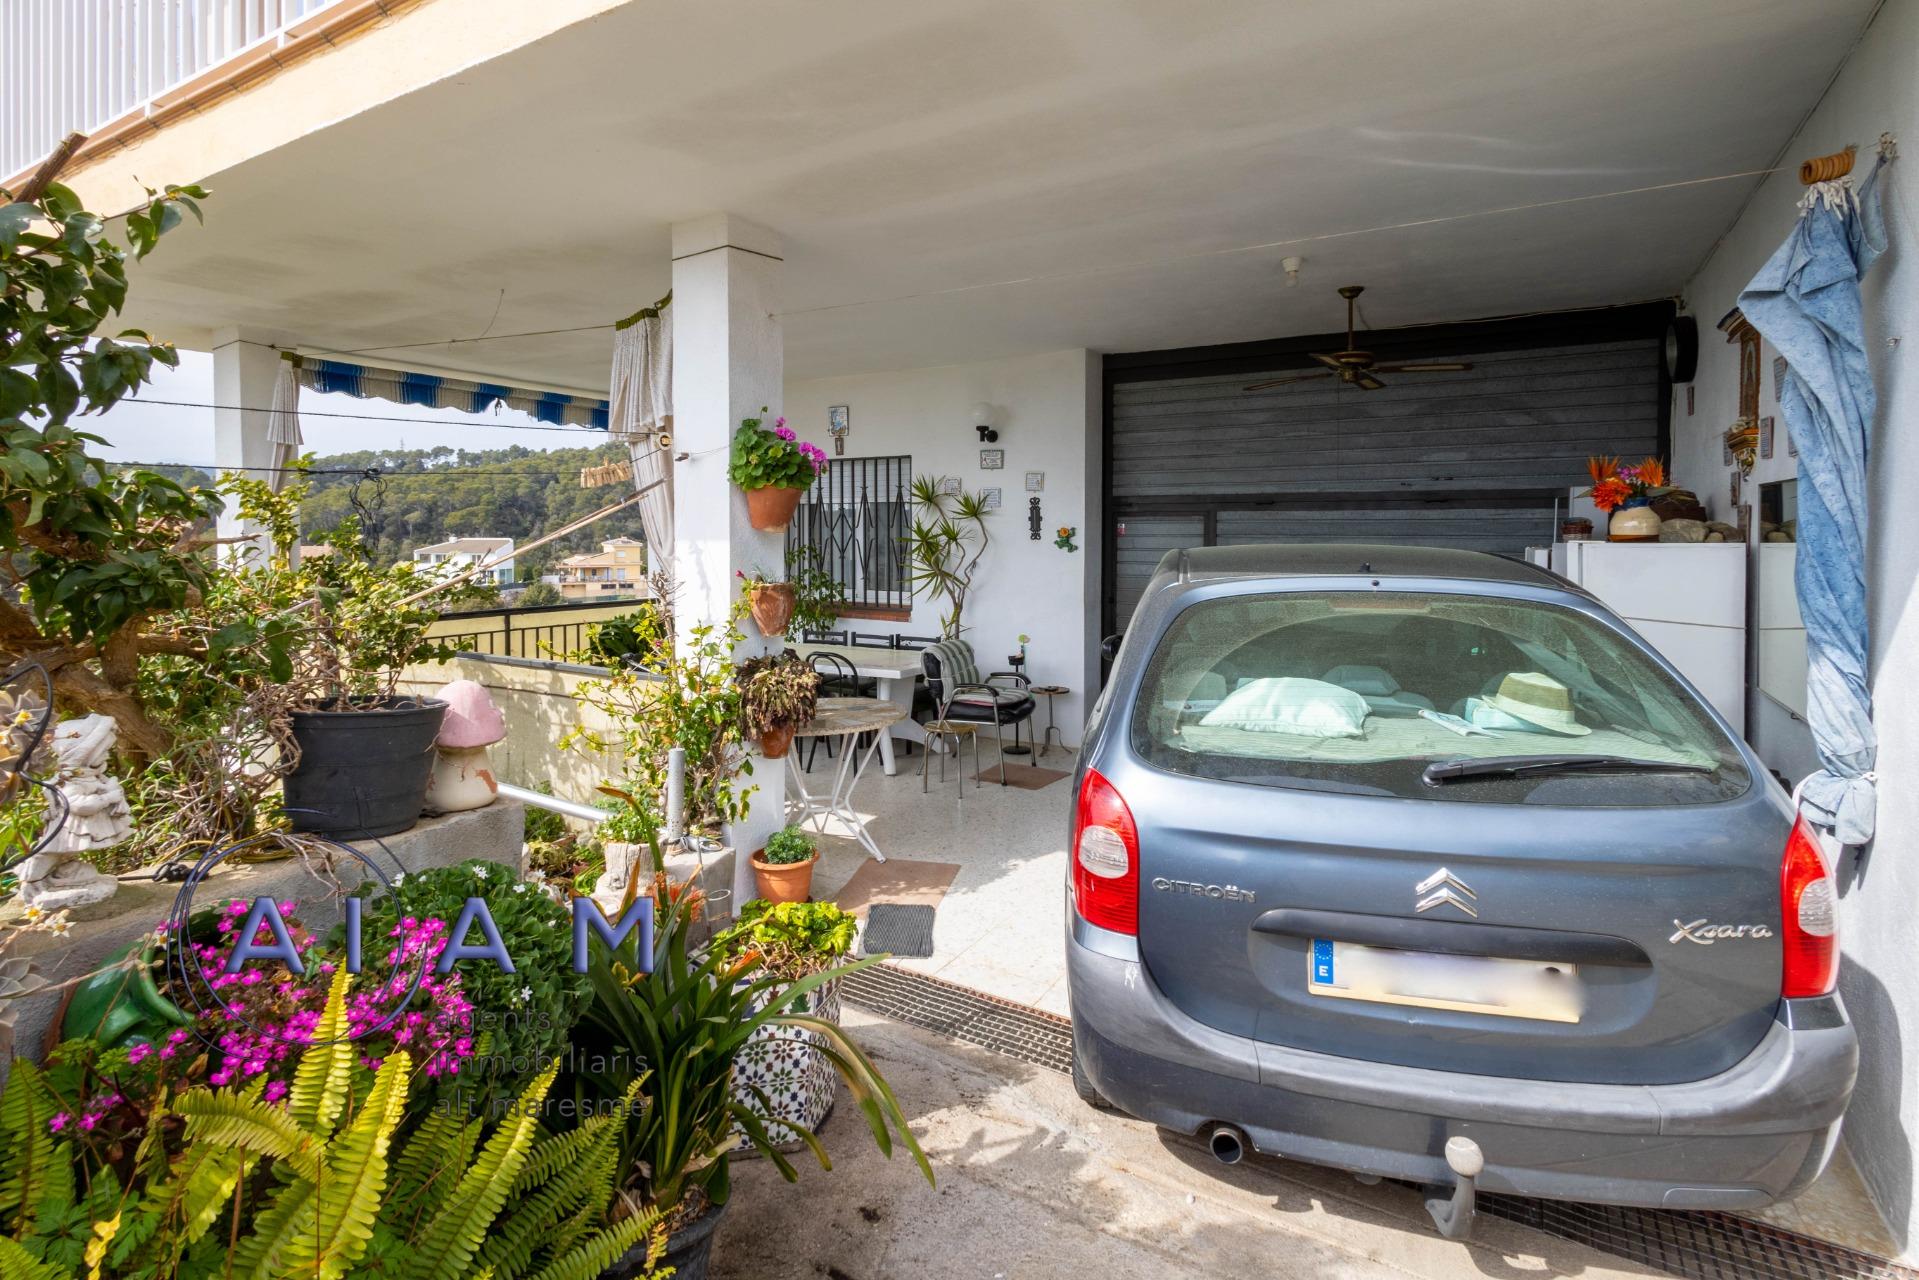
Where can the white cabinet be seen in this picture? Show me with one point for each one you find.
(1688, 599)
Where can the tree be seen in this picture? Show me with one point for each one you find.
(537, 594)
(92, 553)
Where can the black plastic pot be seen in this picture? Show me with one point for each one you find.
(688, 1250)
(363, 770)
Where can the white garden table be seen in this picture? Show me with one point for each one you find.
(895, 670)
(845, 719)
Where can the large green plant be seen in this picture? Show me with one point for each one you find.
(777, 691)
(94, 552)
(322, 1185)
(944, 545)
(670, 1037)
(685, 697)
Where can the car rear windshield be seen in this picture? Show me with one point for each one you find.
(1359, 692)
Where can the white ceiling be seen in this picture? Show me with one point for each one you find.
(977, 179)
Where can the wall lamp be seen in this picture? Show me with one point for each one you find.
(983, 423)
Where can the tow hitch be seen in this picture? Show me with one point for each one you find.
(1452, 1207)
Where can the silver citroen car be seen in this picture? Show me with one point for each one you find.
(1420, 863)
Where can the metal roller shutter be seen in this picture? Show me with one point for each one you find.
(1475, 460)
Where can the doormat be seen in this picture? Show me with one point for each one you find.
(898, 880)
(895, 929)
(1027, 777)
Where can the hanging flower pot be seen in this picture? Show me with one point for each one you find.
(772, 604)
(775, 469)
(771, 509)
(775, 742)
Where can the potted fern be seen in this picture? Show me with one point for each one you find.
(775, 468)
(778, 694)
(783, 870)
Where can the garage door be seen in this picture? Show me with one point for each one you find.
(1475, 460)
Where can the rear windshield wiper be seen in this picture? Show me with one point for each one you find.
(1511, 766)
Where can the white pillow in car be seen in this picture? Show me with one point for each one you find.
(1305, 708)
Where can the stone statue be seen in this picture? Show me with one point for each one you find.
(97, 818)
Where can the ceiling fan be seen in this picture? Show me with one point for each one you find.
(1354, 367)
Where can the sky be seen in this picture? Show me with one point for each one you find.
(139, 430)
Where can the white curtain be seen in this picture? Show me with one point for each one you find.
(283, 423)
(642, 405)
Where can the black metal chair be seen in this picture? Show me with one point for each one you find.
(873, 639)
(914, 642)
(960, 693)
(838, 679)
(824, 637)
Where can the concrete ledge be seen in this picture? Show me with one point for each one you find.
(495, 833)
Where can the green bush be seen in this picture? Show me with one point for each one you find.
(793, 939)
(521, 1019)
(788, 845)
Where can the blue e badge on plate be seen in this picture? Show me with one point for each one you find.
(1322, 961)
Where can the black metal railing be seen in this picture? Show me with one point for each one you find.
(854, 519)
(543, 631)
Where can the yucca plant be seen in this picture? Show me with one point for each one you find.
(944, 545)
(315, 1188)
(687, 1020)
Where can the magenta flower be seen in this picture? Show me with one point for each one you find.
(58, 1122)
(138, 1054)
(275, 1091)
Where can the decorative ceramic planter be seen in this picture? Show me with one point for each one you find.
(775, 742)
(462, 779)
(1633, 524)
(772, 606)
(784, 881)
(789, 1066)
(123, 1006)
(771, 509)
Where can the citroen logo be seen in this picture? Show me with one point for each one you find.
(1443, 887)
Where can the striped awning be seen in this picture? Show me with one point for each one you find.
(449, 393)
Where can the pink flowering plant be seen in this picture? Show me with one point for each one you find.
(775, 457)
(262, 1018)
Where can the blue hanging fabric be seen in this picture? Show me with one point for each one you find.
(1805, 301)
(433, 390)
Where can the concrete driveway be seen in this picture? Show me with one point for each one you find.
(1033, 1185)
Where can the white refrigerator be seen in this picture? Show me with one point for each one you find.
(1688, 599)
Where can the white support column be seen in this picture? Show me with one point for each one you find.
(243, 374)
(728, 362)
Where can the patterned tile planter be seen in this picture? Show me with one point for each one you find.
(789, 1067)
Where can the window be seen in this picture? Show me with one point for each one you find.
(854, 519)
(1358, 692)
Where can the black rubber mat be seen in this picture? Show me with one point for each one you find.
(1695, 1245)
(897, 929)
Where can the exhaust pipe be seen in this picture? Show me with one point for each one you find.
(1227, 1144)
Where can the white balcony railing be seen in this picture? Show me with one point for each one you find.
(69, 65)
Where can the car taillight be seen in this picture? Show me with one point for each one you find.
(1105, 858)
(1809, 911)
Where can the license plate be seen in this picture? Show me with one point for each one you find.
(1540, 989)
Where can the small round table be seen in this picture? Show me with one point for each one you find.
(1053, 737)
(845, 719)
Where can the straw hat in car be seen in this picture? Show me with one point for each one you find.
(1539, 700)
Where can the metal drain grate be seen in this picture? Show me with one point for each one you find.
(1698, 1246)
(1014, 1030)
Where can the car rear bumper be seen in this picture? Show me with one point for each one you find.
(1758, 1132)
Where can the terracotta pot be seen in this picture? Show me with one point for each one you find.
(771, 509)
(774, 742)
(784, 881)
(772, 606)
